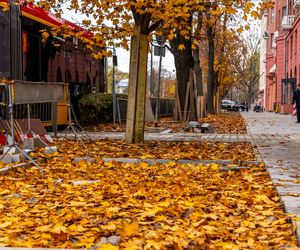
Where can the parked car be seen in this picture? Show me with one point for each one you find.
(233, 106)
(228, 105)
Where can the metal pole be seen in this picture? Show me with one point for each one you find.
(10, 108)
(151, 73)
(113, 89)
(28, 117)
(158, 86)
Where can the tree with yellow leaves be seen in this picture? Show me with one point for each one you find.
(114, 21)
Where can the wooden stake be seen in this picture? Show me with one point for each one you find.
(141, 90)
(132, 88)
(186, 102)
(177, 104)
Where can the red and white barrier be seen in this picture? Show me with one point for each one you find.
(294, 110)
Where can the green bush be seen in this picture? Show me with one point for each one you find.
(97, 108)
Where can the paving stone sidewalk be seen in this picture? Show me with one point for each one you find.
(171, 136)
(277, 138)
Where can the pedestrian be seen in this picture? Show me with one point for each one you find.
(296, 99)
(258, 105)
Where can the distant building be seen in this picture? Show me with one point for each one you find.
(122, 86)
(263, 57)
(283, 56)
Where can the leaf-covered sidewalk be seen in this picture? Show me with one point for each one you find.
(223, 123)
(163, 150)
(168, 206)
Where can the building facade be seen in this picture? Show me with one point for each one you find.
(263, 58)
(281, 33)
(26, 56)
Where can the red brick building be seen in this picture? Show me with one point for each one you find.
(282, 62)
(37, 60)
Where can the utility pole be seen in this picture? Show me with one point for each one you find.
(151, 73)
(115, 63)
(161, 52)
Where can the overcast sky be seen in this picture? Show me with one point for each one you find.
(123, 60)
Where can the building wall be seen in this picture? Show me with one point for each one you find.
(77, 67)
(285, 56)
(70, 62)
(263, 58)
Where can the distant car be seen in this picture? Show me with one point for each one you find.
(233, 106)
(228, 105)
(241, 107)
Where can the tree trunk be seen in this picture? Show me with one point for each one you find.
(198, 71)
(183, 63)
(137, 87)
(211, 75)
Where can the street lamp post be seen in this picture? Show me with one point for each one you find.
(114, 64)
(113, 86)
(161, 49)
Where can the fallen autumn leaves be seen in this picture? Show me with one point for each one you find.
(226, 123)
(223, 123)
(169, 206)
(164, 150)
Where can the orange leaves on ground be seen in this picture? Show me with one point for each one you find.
(165, 150)
(164, 206)
(129, 228)
(226, 123)
(161, 207)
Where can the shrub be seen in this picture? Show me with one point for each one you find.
(97, 108)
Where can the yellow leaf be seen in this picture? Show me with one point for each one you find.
(181, 47)
(247, 223)
(129, 228)
(77, 204)
(45, 228)
(5, 224)
(248, 178)
(263, 199)
(107, 247)
(149, 213)
(59, 228)
(144, 164)
(73, 227)
(240, 29)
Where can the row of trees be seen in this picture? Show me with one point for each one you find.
(189, 26)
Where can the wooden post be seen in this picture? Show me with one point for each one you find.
(132, 86)
(137, 87)
(186, 102)
(177, 109)
(192, 111)
(141, 89)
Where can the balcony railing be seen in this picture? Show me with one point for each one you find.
(297, 4)
(287, 22)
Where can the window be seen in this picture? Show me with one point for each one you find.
(283, 11)
(273, 37)
(273, 15)
(271, 40)
(296, 38)
(291, 54)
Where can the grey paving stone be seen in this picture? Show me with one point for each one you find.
(278, 139)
